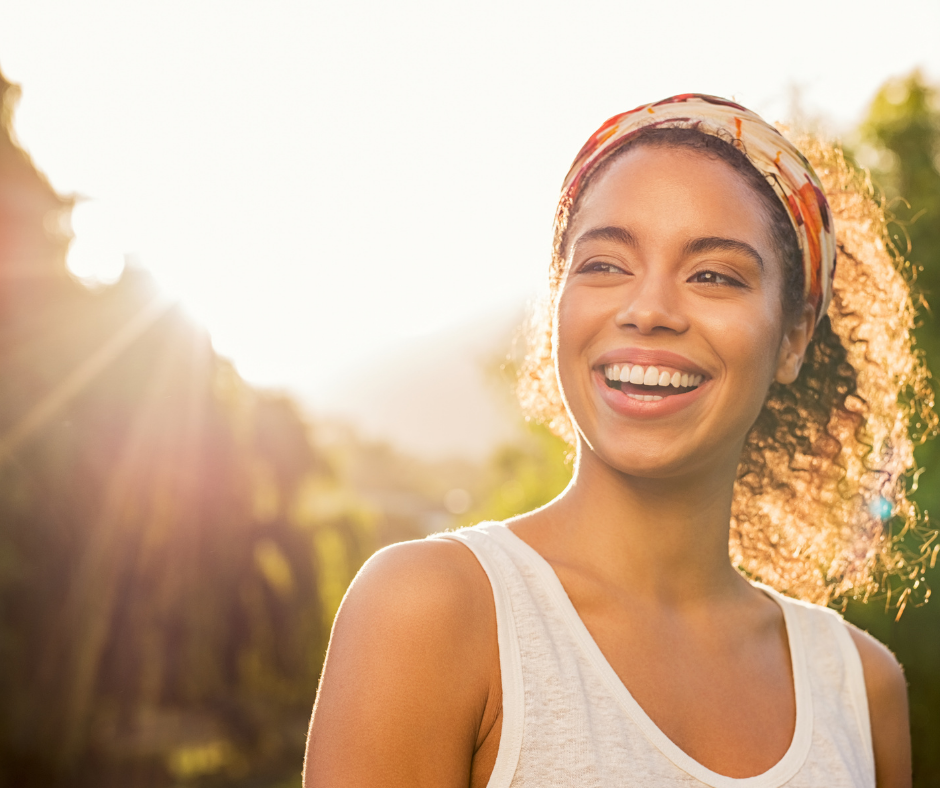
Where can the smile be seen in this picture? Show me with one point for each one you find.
(649, 383)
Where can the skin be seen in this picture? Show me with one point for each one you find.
(411, 693)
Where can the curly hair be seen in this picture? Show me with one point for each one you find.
(825, 469)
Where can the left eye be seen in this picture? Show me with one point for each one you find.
(714, 278)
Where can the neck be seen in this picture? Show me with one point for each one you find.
(664, 539)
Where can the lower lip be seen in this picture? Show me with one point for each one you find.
(627, 406)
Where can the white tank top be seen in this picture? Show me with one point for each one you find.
(568, 719)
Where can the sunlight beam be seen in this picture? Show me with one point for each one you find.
(69, 388)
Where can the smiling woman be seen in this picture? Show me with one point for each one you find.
(728, 375)
(813, 528)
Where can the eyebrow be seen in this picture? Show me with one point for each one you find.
(710, 243)
(619, 235)
(717, 244)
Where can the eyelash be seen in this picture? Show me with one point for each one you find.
(730, 280)
(599, 267)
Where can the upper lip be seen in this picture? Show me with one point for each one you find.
(649, 358)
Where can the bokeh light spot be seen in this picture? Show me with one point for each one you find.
(881, 508)
(457, 501)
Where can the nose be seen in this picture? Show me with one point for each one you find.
(652, 305)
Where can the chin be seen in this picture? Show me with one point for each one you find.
(660, 459)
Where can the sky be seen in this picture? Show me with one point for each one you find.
(321, 182)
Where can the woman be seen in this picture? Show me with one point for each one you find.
(722, 382)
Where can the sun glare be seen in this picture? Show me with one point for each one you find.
(96, 255)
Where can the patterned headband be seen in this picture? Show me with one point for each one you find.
(775, 157)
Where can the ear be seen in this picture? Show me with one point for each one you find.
(793, 346)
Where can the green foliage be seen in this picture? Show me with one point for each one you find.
(901, 140)
(903, 127)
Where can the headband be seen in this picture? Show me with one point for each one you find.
(773, 155)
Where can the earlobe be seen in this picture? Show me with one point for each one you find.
(793, 347)
(788, 365)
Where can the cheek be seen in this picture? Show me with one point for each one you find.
(579, 317)
(752, 347)
(565, 325)
(575, 324)
(564, 332)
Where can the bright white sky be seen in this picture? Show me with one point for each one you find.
(320, 181)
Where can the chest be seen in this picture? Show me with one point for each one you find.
(721, 690)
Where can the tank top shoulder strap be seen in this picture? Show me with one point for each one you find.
(504, 581)
(855, 678)
(836, 676)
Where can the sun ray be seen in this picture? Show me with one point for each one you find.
(88, 611)
(78, 379)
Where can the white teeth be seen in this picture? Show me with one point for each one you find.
(645, 397)
(651, 376)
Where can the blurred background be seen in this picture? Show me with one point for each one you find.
(262, 272)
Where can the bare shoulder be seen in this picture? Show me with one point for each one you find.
(416, 598)
(408, 671)
(886, 688)
(432, 590)
(883, 673)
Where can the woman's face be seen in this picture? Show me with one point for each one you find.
(669, 328)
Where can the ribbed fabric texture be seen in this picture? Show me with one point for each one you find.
(569, 721)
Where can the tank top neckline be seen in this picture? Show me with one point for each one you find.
(776, 775)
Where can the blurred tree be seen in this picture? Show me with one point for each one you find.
(900, 141)
(161, 585)
(901, 137)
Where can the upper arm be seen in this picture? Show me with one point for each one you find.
(407, 672)
(886, 688)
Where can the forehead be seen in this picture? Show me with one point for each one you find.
(674, 191)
